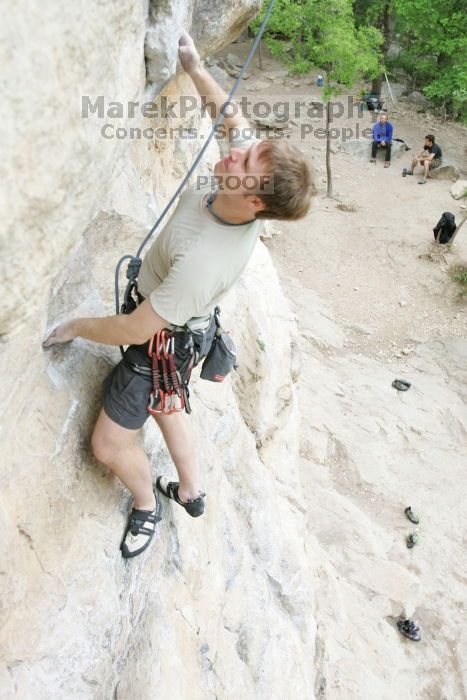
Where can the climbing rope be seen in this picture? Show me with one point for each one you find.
(135, 261)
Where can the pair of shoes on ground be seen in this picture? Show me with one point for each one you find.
(405, 172)
(412, 538)
(141, 524)
(387, 163)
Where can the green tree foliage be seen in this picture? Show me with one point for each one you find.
(433, 34)
(346, 53)
(371, 12)
(380, 14)
(322, 33)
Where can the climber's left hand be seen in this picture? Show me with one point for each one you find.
(64, 333)
(188, 54)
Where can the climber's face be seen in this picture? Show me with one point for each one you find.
(242, 171)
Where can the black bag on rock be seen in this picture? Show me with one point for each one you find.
(221, 357)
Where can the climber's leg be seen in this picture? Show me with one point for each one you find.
(178, 435)
(114, 446)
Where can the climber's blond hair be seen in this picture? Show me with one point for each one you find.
(293, 181)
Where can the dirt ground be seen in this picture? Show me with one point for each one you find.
(372, 304)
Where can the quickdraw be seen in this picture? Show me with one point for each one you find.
(170, 390)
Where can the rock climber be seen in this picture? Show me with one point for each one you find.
(429, 158)
(195, 259)
(382, 138)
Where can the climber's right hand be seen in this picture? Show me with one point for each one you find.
(188, 54)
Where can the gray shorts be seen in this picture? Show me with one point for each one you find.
(126, 393)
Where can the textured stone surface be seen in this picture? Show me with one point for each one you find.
(459, 189)
(66, 163)
(418, 98)
(361, 148)
(446, 171)
(219, 606)
(211, 23)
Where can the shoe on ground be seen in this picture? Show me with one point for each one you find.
(422, 181)
(409, 629)
(413, 517)
(372, 160)
(140, 530)
(194, 507)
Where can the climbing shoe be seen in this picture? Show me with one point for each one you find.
(140, 530)
(412, 540)
(411, 515)
(409, 629)
(194, 507)
(422, 181)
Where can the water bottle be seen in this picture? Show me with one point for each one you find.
(320, 81)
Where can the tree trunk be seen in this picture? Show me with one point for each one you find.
(377, 84)
(457, 231)
(388, 30)
(328, 148)
(441, 62)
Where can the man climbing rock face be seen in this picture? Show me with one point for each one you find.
(195, 260)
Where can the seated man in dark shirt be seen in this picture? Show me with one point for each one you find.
(430, 158)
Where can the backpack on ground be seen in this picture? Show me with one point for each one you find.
(444, 229)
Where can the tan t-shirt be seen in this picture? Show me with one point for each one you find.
(195, 259)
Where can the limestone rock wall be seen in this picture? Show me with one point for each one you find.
(220, 607)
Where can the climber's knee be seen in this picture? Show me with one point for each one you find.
(109, 438)
(102, 449)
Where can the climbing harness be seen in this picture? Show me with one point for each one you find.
(170, 393)
(131, 291)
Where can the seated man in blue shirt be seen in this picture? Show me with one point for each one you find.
(382, 138)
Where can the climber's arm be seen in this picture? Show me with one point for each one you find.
(214, 97)
(132, 329)
(211, 93)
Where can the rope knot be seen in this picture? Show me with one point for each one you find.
(133, 268)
